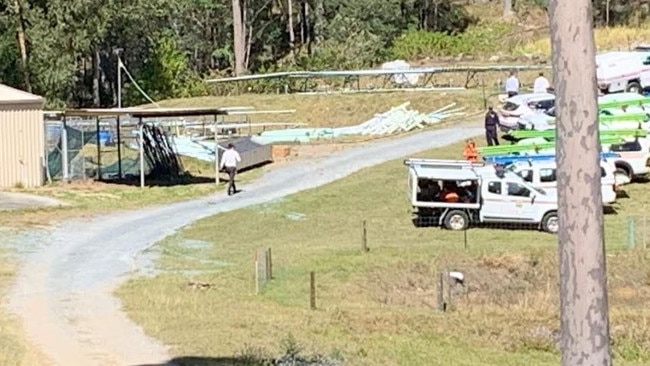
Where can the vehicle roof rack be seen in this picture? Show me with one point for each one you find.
(506, 159)
(442, 162)
(550, 134)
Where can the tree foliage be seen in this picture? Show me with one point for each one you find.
(66, 49)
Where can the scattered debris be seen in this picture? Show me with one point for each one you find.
(295, 216)
(395, 120)
(199, 285)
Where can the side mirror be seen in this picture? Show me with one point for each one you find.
(532, 199)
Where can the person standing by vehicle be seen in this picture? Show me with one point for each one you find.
(541, 84)
(491, 125)
(229, 161)
(512, 85)
(470, 153)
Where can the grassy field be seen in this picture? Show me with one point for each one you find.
(613, 38)
(91, 197)
(333, 110)
(377, 307)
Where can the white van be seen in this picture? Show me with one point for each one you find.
(482, 195)
(542, 175)
(623, 71)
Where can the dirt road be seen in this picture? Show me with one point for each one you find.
(63, 292)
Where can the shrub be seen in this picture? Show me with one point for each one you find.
(476, 40)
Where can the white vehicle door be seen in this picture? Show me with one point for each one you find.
(520, 203)
(494, 205)
(547, 180)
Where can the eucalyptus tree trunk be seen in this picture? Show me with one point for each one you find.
(583, 276)
(292, 34)
(22, 43)
(239, 37)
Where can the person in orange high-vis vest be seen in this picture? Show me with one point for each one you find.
(470, 152)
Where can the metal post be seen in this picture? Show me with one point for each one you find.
(99, 151)
(64, 153)
(645, 228)
(119, 149)
(441, 296)
(119, 78)
(269, 264)
(216, 151)
(630, 232)
(257, 276)
(141, 153)
(465, 238)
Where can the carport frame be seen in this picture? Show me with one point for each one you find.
(140, 114)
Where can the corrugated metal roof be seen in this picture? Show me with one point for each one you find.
(12, 95)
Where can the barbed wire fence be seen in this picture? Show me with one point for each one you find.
(367, 234)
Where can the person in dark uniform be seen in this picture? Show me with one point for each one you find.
(491, 126)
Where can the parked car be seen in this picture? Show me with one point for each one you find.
(523, 104)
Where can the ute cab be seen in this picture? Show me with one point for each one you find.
(634, 159)
(456, 194)
(543, 175)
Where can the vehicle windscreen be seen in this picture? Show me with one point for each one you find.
(510, 106)
(626, 146)
(550, 112)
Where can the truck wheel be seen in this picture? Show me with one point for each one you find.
(456, 220)
(633, 87)
(550, 223)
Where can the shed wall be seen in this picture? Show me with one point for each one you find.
(22, 145)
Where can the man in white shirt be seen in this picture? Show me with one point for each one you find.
(229, 161)
(512, 85)
(541, 84)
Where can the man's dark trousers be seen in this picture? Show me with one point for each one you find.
(232, 171)
(491, 135)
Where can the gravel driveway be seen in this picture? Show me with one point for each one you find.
(63, 291)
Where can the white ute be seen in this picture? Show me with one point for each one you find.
(485, 196)
(635, 157)
(543, 175)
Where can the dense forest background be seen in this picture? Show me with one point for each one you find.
(66, 50)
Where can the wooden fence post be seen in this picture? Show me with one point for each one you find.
(267, 259)
(441, 298)
(312, 290)
(257, 277)
(364, 237)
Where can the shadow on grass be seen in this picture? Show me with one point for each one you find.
(181, 180)
(184, 180)
(240, 361)
(209, 361)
